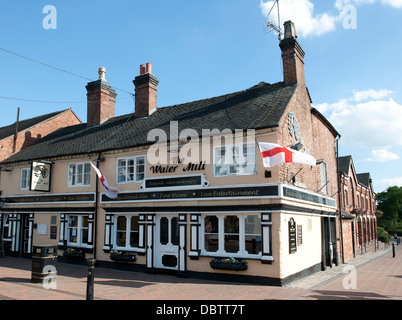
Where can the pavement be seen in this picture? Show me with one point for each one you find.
(372, 276)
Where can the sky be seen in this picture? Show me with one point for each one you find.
(50, 50)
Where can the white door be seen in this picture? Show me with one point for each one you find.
(167, 242)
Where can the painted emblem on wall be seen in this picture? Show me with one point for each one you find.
(294, 130)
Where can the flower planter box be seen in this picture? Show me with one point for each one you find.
(74, 255)
(123, 257)
(238, 266)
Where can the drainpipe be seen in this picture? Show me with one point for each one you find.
(339, 197)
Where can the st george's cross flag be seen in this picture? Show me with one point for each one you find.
(274, 154)
(110, 191)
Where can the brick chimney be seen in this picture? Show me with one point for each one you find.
(145, 92)
(101, 99)
(292, 56)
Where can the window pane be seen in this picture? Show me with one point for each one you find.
(211, 233)
(121, 171)
(71, 174)
(79, 173)
(84, 230)
(140, 169)
(134, 232)
(130, 170)
(72, 229)
(253, 244)
(231, 232)
(87, 174)
(121, 232)
(175, 231)
(164, 232)
(252, 230)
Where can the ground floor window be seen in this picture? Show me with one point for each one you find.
(77, 230)
(127, 232)
(232, 235)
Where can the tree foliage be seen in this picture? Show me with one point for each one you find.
(390, 202)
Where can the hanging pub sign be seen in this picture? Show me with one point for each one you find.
(40, 176)
(292, 236)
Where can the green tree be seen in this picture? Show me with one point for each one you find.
(390, 202)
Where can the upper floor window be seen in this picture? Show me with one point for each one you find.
(79, 174)
(130, 169)
(25, 180)
(234, 160)
(324, 181)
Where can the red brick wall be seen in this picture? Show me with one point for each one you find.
(33, 134)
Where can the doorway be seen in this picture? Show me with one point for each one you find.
(167, 242)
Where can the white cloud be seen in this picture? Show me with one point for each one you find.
(301, 12)
(383, 184)
(393, 3)
(382, 155)
(310, 23)
(369, 119)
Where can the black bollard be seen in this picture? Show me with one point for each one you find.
(90, 279)
(393, 250)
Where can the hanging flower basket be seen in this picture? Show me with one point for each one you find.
(120, 256)
(228, 264)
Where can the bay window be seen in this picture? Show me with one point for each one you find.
(232, 235)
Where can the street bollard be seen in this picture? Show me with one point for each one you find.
(393, 250)
(90, 279)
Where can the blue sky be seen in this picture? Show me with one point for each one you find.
(201, 49)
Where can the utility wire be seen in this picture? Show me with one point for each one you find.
(56, 68)
(53, 102)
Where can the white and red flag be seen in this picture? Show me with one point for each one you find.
(110, 191)
(274, 154)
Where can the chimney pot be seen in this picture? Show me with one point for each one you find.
(290, 30)
(149, 68)
(142, 69)
(102, 73)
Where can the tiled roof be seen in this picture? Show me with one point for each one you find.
(261, 106)
(8, 131)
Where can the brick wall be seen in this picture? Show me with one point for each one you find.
(33, 134)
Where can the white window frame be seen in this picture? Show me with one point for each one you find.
(324, 178)
(126, 174)
(233, 168)
(242, 253)
(128, 231)
(79, 231)
(76, 175)
(25, 181)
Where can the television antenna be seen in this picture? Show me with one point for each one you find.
(272, 25)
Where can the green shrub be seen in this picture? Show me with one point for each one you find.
(383, 235)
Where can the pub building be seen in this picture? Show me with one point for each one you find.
(187, 217)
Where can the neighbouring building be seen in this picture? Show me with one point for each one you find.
(188, 212)
(359, 220)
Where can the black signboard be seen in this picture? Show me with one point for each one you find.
(173, 182)
(297, 194)
(244, 192)
(292, 236)
(2, 255)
